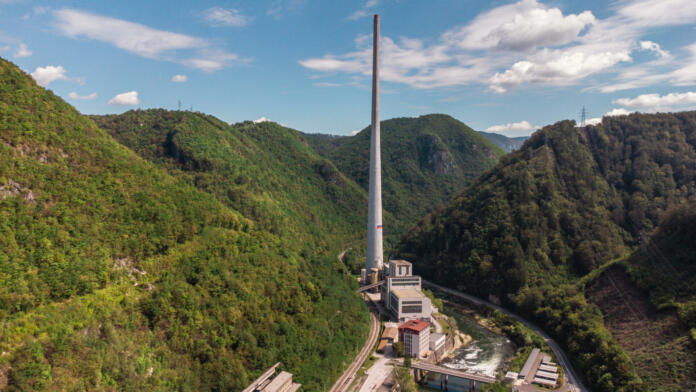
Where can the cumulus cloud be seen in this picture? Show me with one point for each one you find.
(528, 42)
(48, 74)
(218, 16)
(125, 99)
(522, 128)
(262, 119)
(520, 26)
(656, 102)
(22, 51)
(355, 132)
(143, 40)
(613, 112)
(89, 97)
(556, 67)
(179, 78)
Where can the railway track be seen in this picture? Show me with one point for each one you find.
(348, 376)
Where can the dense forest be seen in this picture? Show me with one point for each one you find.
(426, 160)
(117, 273)
(568, 201)
(264, 170)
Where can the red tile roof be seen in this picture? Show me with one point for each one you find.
(414, 325)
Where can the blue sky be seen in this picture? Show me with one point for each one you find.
(500, 66)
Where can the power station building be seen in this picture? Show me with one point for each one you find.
(402, 295)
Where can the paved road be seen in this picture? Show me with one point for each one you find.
(572, 378)
(346, 379)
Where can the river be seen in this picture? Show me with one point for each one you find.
(487, 352)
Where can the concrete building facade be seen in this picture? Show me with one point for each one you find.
(415, 334)
(402, 295)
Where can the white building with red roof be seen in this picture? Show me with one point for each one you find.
(415, 334)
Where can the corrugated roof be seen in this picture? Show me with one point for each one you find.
(548, 368)
(529, 363)
(281, 379)
(400, 262)
(544, 382)
(415, 325)
(543, 374)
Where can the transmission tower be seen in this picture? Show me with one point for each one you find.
(583, 116)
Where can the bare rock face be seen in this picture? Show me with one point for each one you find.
(434, 156)
(441, 162)
(12, 188)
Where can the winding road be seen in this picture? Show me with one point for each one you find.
(573, 381)
(348, 376)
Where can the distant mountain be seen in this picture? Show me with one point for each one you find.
(506, 143)
(119, 273)
(425, 160)
(565, 203)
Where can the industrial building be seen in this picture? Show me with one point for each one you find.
(267, 383)
(415, 334)
(539, 369)
(402, 295)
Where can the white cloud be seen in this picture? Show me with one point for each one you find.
(179, 78)
(364, 10)
(522, 128)
(22, 51)
(280, 8)
(48, 74)
(218, 16)
(355, 132)
(528, 42)
(558, 67)
(262, 119)
(125, 99)
(653, 47)
(613, 112)
(520, 26)
(74, 95)
(650, 13)
(143, 40)
(4, 48)
(617, 112)
(656, 102)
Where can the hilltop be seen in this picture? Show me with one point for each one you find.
(568, 201)
(430, 158)
(120, 273)
(264, 170)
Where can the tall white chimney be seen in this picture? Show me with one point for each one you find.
(375, 254)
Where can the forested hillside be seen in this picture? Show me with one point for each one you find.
(425, 160)
(264, 170)
(648, 302)
(117, 275)
(568, 201)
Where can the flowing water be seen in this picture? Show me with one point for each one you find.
(487, 352)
